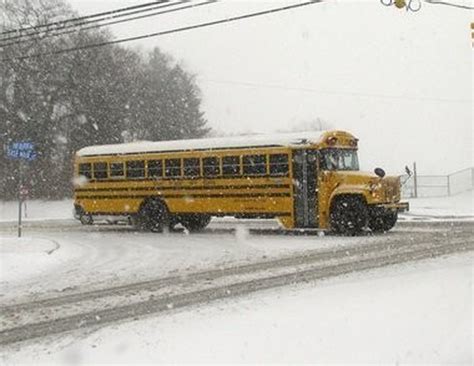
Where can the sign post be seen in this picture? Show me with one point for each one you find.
(19, 213)
(21, 151)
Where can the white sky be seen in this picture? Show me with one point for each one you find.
(341, 53)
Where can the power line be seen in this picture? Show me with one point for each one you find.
(329, 92)
(88, 21)
(191, 6)
(436, 2)
(208, 2)
(175, 30)
(61, 22)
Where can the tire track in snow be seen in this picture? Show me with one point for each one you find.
(319, 265)
(311, 256)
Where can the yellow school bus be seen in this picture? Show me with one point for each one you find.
(304, 180)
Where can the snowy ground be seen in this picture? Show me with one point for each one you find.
(413, 313)
(457, 206)
(79, 258)
(63, 255)
(116, 254)
(37, 210)
(418, 312)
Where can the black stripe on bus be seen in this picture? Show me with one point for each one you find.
(177, 179)
(246, 214)
(231, 195)
(182, 188)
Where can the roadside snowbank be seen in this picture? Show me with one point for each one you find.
(412, 313)
(460, 205)
(23, 258)
(37, 210)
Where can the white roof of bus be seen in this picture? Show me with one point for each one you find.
(288, 139)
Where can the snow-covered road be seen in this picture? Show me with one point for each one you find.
(121, 297)
(91, 257)
(410, 313)
(59, 258)
(53, 259)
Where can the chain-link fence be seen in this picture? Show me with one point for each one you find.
(437, 185)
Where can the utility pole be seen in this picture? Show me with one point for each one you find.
(448, 184)
(20, 195)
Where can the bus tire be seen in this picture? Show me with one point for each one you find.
(84, 218)
(348, 215)
(382, 222)
(173, 220)
(152, 216)
(195, 222)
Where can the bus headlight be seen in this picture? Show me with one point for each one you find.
(375, 189)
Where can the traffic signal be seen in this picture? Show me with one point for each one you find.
(409, 5)
(472, 34)
(400, 4)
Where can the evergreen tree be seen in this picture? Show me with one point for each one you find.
(168, 104)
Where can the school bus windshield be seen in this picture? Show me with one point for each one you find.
(339, 159)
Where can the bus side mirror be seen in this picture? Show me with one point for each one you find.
(379, 172)
(408, 171)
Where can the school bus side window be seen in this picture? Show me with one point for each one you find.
(155, 168)
(255, 164)
(100, 170)
(231, 165)
(210, 167)
(279, 164)
(85, 170)
(135, 169)
(116, 170)
(173, 167)
(191, 167)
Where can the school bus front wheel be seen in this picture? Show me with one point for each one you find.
(349, 214)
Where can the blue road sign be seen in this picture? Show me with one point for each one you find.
(21, 150)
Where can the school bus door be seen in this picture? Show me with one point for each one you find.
(305, 188)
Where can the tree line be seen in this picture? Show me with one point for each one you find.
(63, 102)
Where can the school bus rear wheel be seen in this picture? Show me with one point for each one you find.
(84, 218)
(152, 216)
